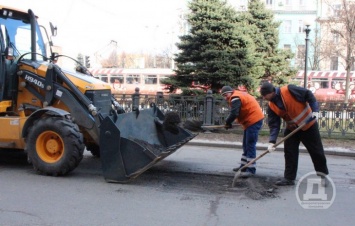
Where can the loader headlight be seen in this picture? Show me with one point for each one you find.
(7, 13)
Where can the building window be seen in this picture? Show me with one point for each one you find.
(300, 26)
(334, 63)
(336, 10)
(268, 2)
(287, 26)
(335, 38)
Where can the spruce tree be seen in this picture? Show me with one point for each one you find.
(226, 47)
(275, 61)
(216, 51)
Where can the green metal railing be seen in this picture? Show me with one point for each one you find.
(336, 120)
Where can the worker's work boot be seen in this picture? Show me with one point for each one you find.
(324, 181)
(246, 174)
(285, 182)
(237, 168)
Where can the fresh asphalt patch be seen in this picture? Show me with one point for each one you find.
(255, 187)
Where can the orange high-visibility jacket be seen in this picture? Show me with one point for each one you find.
(296, 112)
(250, 111)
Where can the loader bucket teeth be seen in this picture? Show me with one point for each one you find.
(134, 143)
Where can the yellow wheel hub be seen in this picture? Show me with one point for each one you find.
(50, 146)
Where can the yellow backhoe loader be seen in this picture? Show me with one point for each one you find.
(53, 114)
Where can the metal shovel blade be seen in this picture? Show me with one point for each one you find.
(135, 142)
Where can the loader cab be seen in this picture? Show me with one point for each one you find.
(20, 40)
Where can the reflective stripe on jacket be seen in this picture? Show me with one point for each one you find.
(250, 111)
(296, 111)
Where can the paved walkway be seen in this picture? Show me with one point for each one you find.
(263, 146)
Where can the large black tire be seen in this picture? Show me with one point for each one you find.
(54, 146)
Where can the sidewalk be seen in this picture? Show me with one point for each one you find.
(340, 151)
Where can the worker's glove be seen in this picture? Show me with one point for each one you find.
(228, 126)
(271, 147)
(315, 115)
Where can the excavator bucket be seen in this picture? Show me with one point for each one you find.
(133, 142)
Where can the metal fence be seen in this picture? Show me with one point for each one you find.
(336, 120)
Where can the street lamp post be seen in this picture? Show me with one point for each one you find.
(307, 30)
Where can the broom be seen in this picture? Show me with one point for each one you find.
(193, 125)
(197, 126)
(171, 122)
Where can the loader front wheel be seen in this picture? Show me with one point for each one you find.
(54, 146)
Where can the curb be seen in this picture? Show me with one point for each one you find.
(263, 147)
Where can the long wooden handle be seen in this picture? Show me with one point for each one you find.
(275, 145)
(213, 127)
(265, 152)
(217, 126)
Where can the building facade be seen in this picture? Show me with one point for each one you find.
(294, 15)
(326, 49)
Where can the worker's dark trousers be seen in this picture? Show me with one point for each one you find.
(312, 141)
(250, 138)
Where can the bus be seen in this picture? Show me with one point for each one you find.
(327, 85)
(125, 81)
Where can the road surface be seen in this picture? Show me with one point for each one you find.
(190, 187)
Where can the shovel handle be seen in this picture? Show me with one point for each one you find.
(290, 134)
(267, 151)
(275, 145)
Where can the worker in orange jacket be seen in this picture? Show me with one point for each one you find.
(295, 105)
(245, 110)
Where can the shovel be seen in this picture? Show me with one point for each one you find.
(237, 174)
(217, 126)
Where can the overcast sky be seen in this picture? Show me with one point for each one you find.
(88, 26)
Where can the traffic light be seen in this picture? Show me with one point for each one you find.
(87, 61)
(80, 59)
